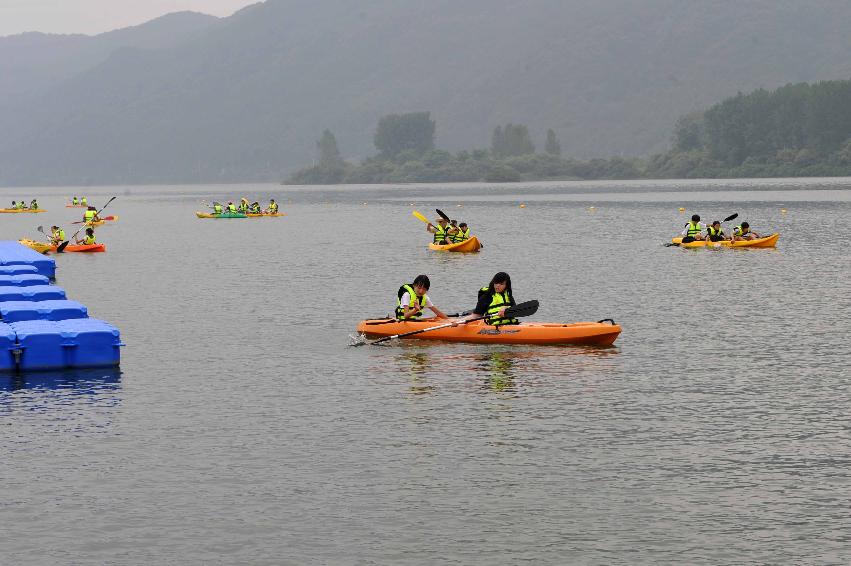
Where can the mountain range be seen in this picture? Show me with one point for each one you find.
(194, 98)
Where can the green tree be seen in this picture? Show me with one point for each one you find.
(552, 147)
(511, 140)
(329, 153)
(399, 132)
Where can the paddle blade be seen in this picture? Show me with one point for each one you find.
(62, 246)
(523, 309)
(731, 217)
(441, 214)
(419, 216)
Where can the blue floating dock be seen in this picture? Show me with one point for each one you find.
(17, 269)
(13, 253)
(23, 280)
(21, 311)
(40, 330)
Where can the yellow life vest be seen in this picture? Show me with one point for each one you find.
(412, 302)
(89, 240)
(498, 302)
(693, 228)
(89, 215)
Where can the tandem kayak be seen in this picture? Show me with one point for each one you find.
(470, 245)
(587, 333)
(766, 242)
(222, 215)
(43, 247)
(21, 210)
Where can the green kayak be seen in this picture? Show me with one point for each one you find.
(222, 215)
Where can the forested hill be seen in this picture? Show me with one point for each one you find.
(246, 97)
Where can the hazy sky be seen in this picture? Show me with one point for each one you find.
(96, 16)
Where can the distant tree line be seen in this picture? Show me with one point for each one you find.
(796, 130)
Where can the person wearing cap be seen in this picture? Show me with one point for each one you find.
(743, 232)
(694, 228)
(57, 235)
(442, 232)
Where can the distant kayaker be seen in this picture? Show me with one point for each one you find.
(90, 215)
(463, 233)
(411, 300)
(243, 205)
(14, 205)
(694, 228)
(441, 232)
(743, 232)
(21, 205)
(34, 204)
(715, 233)
(84, 202)
(231, 207)
(255, 208)
(494, 299)
(57, 235)
(217, 208)
(75, 201)
(89, 240)
(273, 206)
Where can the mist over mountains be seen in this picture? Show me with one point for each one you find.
(193, 98)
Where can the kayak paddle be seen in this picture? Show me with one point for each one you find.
(64, 244)
(523, 309)
(419, 216)
(390, 320)
(440, 213)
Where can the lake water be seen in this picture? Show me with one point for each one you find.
(242, 429)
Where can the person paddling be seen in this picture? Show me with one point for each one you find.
(84, 202)
(75, 201)
(57, 235)
(255, 208)
(273, 207)
(743, 232)
(90, 216)
(715, 233)
(217, 208)
(693, 229)
(494, 300)
(89, 240)
(33, 204)
(441, 232)
(462, 234)
(231, 207)
(411, 300)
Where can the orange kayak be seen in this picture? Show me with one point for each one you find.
(470, 245)
(93, 248)
(587, 333)
(764, 242)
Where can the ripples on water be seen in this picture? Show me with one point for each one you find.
(242, 430)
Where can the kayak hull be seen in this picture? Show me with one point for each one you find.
(224, 215)
(540, 333)
(43, 247)
(275, 215)
(40, 247)
(21, 211)
(766, 242)
(467, 246)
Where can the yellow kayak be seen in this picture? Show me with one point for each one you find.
(21, 210)
(766, 242)
(40, 247)
(470, 245)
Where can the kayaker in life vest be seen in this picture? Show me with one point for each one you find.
(21, 205)
(90, 215)
(14, 205)
(411, 300)
(57, 235)
(442, 231)
(462, 234)
(243, 205)
(494, 299)
(273, 206)
(75, 201)
(694, 228)
(34, 204)
(89, 240)
(715, 233)
(217, 208)
(743, 232)
(84, 202)
(231, 207)
(255, 208)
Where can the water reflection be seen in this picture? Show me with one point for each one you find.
(81, 381)
(79, 395)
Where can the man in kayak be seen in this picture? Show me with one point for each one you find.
(273, 207)
(255, 208)
(75, 201)
(217, 208)
(411, 300)
(494, 299)
(231, 207)
(463, 233)
(442, 232)
(57, 235)
(90, 215)
(89, 240)
(33, 204)
(243, 205)
(743, 232)
(14, 205)
(715, 233)
(21, 205)
(84, 202)
(693, 229)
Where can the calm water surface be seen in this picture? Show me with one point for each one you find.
(243, 430)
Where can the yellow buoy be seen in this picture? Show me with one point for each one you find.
(522, 205)
(682, 209)
(783, 211)
(459, 206)
(592, 208)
